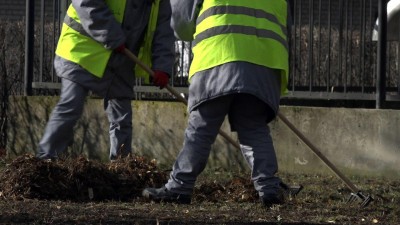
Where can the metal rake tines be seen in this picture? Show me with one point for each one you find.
(359, 196)
(291, 190)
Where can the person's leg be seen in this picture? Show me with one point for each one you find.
(203, 126)
(59, 129)
(248, 117)
(119, 112)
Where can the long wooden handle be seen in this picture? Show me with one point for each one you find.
(174, 92)
(318, 153)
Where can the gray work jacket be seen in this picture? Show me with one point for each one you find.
(229, 78)
(100, 24)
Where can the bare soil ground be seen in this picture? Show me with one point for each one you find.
(79, 191)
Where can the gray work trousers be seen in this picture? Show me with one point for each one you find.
(247, 116)
(58, 134)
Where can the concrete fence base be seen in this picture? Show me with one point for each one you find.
(356, 141)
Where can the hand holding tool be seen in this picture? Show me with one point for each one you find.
(120, 48)
(160, 79)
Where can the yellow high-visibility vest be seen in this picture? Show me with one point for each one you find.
(226, 28)
(77, 46)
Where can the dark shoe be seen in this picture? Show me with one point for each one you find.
(269, 200)
(164, 195)
(284, 191)
(290, 190)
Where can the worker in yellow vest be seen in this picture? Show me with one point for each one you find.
(240, 69)
(89, 57)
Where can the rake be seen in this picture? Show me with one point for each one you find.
(356, 194)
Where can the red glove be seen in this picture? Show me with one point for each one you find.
(160, 79)
(120, 48)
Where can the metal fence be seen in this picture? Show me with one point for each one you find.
(333, 54)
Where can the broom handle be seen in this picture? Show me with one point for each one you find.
(174, 92)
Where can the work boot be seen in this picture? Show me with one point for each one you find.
(164, 195)
(270, 199)
(284, 191)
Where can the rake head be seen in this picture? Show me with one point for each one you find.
(291, 190)
(360, 197)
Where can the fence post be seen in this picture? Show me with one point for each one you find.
(63, 10)
(381, 60)
(29, 41)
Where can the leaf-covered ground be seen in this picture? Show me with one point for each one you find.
(79, 191)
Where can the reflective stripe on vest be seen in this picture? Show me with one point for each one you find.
(75, 44)
(226, 27)
(145, 50)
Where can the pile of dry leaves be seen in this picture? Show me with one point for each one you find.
(80, 179)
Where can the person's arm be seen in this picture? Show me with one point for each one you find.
(184, 15)
(99, 22)
(163, 40)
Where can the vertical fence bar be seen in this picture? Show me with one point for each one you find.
(351, 42)
(318, 70)
(29, 46)
(190, 58)
(340, 56)
(328, 79)
(173, 76)
(388, 64)
(182, 57)
(300, 65)
(41, 53)
(310, 44)
(346, 44)
(381, 62)
(55, 25)
(398, 65)
(372, 66)
(190, 62)
(294, 50)
(362, 45)
(59, 10)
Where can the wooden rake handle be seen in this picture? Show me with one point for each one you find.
(349, 184)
